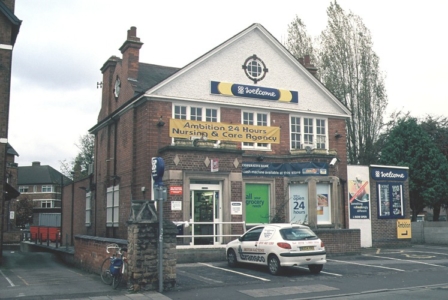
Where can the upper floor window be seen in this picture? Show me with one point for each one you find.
(195, 113)
(23, 189)
(310, 132)
(47, 188)
(257, 119)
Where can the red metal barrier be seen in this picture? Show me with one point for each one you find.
(43, 233)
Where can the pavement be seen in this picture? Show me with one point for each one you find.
(147, 295)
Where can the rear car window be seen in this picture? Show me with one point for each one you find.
(297, 234)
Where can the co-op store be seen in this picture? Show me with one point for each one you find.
(247, 134)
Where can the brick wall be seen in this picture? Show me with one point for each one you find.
(340, 241)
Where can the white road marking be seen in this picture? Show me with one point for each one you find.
(411, 261)
(328, 273)
(7, 279)
(231, 271)
(373, 266)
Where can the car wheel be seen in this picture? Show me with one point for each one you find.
(315, 269)
(274, 265)
(231, 258)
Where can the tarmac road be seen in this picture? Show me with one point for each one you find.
(418, 272)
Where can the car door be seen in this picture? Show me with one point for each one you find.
(248, 250)
(266, 242)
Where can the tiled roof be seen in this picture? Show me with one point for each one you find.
(150, 75)
(40, 175)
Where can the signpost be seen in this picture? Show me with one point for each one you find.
(158, 168)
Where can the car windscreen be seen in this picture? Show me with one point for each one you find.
(297, 234)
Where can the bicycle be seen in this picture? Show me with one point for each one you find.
(114, 267)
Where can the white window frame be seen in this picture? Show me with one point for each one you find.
(88, 208)
(40, 203)
(45, 187)
(256, 122)
(187, 114)
(112, 206)
(314, 135)
(24, 189)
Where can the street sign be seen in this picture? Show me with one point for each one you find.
(404, 229)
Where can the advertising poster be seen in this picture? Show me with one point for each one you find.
(323, 204)
(298, 206)
(257, 203)
(359, 201)
(359, 195)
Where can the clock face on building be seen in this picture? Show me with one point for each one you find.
(117, 87)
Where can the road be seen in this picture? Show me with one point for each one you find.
(418, 272)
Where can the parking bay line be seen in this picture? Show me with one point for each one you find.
(7, 279)
(347, 262)
(231, 271)
(408, 260)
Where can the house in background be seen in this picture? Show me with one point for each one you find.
(43, 186)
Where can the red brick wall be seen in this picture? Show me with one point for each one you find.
(340, 241)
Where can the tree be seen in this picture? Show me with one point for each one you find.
(24, 212)
(407, 144)
(80, 164)
(349, 68)
(299, 43)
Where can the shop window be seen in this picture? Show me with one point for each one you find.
(257, 203)
(113, 204)
(88, 208)
(390, 202)
(298, 206)
(257, 119)
(323, 204)
(308, 132)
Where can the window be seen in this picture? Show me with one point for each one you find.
(295, 133)
(23, 189)
(47, 189)
(195, 113)
(180, 112)
(257, 119)
(44, 203)
(88, 208)
(308, 132)
(323, 203)
(113, 201)
(257, 203)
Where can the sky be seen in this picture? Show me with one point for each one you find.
(62, 46)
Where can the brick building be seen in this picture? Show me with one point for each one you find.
(9, 29)
(247, 133)
(42, 185)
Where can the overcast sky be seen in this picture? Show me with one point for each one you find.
(62, 45)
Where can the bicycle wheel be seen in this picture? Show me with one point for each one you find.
(106, 276)
(116, 280)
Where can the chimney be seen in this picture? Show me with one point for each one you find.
(131, 50)
(306, 62)
(35, 164)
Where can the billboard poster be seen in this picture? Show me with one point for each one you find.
(359, 193)
(257, 203)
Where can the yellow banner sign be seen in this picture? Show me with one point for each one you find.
(404, 229)
(224, 132)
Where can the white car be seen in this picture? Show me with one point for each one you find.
(277, 246)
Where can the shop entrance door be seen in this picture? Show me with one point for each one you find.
(205, 213)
